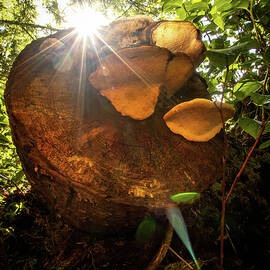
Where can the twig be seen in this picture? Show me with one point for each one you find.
(178, 256)
(93, 261)
(163, 249)
(28, 33)
(8, 22)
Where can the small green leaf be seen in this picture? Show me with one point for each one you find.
(259, 99)
(245, 89)
(251, 126)
(188, 197)
(196, 6)
(219, 21)
(171, 4)
(264, 145)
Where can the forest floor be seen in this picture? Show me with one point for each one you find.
(32, 238)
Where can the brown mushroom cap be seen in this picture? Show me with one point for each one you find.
(134, 99)
(177, 36)
(144, 63)
(132, 77)
(197, 120)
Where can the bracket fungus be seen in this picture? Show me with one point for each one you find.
(131, 78)
(199, 119)
(177, 36)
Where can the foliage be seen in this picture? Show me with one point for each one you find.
(124, 8)
(17, 29)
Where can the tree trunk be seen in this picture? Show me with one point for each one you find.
(101, 171)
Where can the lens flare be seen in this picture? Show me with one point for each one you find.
(178, 223)
(85, 20)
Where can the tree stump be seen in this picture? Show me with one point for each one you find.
(99, 168)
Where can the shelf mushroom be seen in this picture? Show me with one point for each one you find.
(197, 120)
(131, 78)
(177, 36)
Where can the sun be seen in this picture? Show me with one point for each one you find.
(85, 20)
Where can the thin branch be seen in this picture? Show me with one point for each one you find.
(22, 24)
(28, 33)
(246, 160)
(257, 32)
(121, 15)
(178, 256)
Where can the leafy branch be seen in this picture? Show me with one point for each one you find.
(32, 25)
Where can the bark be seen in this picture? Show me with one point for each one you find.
(101, 171)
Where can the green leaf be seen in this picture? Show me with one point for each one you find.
(219, 21)
(245, 89)
(171, 4)
(251, 126)
(259, 99)
(264, 145)
(188, 197)
(241, 46)
(181, 13)
(221, 5)
(196, 6)
(227, 56)
(220, 59)
(240, 4)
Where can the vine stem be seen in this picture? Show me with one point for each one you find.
(246, 160)
(223, 188)
(250, 11)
